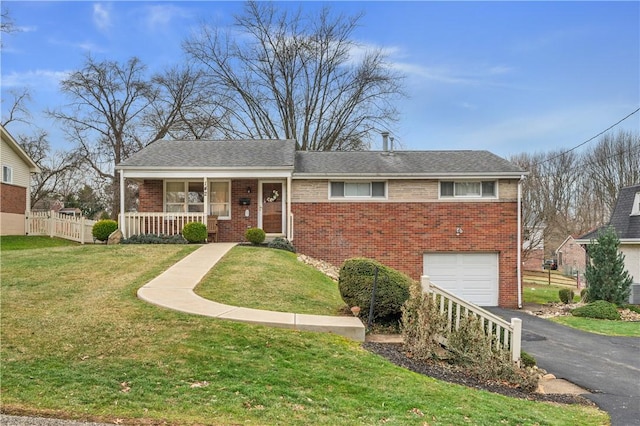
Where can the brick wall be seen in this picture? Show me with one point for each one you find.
(13, 199)
(398, 234)
(151, 196)
(233, 230)
(571, 257)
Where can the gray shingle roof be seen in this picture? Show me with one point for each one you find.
(408, 163)
(626, 226)
(259, 154)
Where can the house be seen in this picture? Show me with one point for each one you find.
(452, 215)
(533, 248)
(625, 219)
(571, 257)
(15, 194)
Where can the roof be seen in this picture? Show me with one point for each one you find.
(403, 163)
(626, 225)
(6, 136)
(181, 154)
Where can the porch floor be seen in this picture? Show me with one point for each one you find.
(173, 289)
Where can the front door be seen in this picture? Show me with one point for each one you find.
(272, 201)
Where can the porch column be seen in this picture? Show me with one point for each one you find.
(123, 221)
(289, 220)
(206, 200)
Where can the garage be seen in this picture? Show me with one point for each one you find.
(471, 276)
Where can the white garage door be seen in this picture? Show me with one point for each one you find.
(471, 276)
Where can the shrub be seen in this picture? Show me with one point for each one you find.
(356, 285)
(255, 235)
(565, 295)
(633, 308)
(103, 228)
(527, 360)
(599, 309)
(422, 324)
(282, 244)
(583, 294)
(155, 239)
(195, 232)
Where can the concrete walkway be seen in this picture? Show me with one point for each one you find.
(173, 289)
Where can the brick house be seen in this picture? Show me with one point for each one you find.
(571, 256)
(452, 215)
(15, 195)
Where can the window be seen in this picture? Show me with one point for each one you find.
(635, 209)
(469, 189)
(7, 174)
(220, 199)
(182, 197)
(357, 189)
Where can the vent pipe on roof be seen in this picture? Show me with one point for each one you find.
(391, 143)
(385, 141)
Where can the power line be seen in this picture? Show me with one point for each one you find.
(588, 140)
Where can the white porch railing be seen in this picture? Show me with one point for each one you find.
(136, 223)
(504, 334)
(59, 225)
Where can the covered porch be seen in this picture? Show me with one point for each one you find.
(233, 203)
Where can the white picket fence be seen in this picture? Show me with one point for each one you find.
(502, 333)
(134, 223)
(59, 225)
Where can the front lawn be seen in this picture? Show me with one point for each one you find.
(610, 328)
(257, 277)
(21, 242)
(541, 293)
(77, 343)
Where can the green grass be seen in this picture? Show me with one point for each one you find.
(256, 277)
(610, 328)
(20, 242)
(541, 294)
(77, 343)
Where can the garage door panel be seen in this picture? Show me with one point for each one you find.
(471, 276)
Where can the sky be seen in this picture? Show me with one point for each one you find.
(508, 77)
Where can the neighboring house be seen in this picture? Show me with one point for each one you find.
(571, 257)
(452, 215)
(15, 196)
(533, 248)
(625, 219)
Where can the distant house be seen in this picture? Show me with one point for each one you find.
(571, 257)
(625, 219)
(452, 215)
(17, 168)
(533, 248)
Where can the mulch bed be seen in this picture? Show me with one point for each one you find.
(446, 372)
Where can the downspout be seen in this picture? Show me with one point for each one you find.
(122, 224)
(520, 242)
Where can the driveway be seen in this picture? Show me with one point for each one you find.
(609, 367)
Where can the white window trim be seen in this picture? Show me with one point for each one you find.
(206, 202)
(468, 197)
(359, 197)
(635, 209)
(9, 169)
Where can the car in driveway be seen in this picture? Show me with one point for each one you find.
(550, 264)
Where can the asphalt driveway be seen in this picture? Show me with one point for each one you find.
(609, 367)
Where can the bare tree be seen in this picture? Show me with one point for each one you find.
(613, 164)
(18, 110)
(116, 110)
(285, 75)
(7, 25)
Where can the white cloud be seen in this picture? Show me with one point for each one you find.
(159, 16)
(45, 79)
(102, 16)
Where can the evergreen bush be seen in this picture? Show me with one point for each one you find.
(565, 295)
(255, 235)
(282, 244)
(195, 232)
(606, 277)
(599, 309)
(103, 228)
(154, 239)
(356, 286)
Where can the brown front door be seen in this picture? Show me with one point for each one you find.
(272, 207)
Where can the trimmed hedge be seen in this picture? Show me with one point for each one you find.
(255, 235)
(356, 285)
(282, 244)
(103, 228)
(565, 295)
(154, 239)
(599, 309)
(195, 232)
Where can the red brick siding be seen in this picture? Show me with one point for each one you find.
(13, 199)
(398, 234)
(151, 196)
(233, 230)
(571, 257)
(534, 260)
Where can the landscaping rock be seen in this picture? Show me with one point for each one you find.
(115, 237)
(326, 268)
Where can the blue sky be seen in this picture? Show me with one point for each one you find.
(509, 77)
